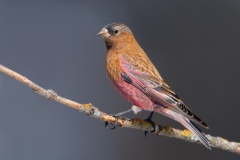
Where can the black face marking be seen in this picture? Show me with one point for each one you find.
(115, 28)
(108, 45)
(126, 78)
(110, 31)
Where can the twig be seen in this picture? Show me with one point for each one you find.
(90, 110)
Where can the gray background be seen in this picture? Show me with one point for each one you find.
(194, 44)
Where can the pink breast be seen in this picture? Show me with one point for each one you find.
(134, 95)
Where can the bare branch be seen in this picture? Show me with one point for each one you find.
(90, 110)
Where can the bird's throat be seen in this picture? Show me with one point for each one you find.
(108, 45)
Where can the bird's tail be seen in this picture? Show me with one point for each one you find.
(194, 129)
(189, 125)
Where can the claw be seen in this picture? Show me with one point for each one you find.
(116, 119)
(145, 134)
(149, 119)
(114, 124)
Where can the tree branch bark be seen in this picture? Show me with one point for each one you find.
(90, 110)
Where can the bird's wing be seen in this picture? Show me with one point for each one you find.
(140, 76)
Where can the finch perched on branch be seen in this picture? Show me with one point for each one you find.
(135, 77)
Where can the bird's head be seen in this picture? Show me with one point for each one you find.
(115, 33)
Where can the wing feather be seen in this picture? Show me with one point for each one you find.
(151, 83)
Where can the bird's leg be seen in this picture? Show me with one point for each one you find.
(116, 119)
(149, 119)
(135, 110)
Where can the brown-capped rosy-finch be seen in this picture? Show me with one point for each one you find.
(135, 77)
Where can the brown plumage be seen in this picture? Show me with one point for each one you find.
(135, 77)
(126, 43)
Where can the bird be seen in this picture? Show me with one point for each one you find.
(135, 77)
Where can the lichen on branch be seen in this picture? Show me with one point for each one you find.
(92, 111)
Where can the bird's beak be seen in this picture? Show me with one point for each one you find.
(103, 33)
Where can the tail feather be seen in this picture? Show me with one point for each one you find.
(186, 123)
(194, 129)
(197, 120)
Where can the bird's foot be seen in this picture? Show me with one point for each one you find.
(115, 124)
(149, 119)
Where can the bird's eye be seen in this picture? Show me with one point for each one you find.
(116, 31)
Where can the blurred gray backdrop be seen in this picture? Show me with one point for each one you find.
(194, 44)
